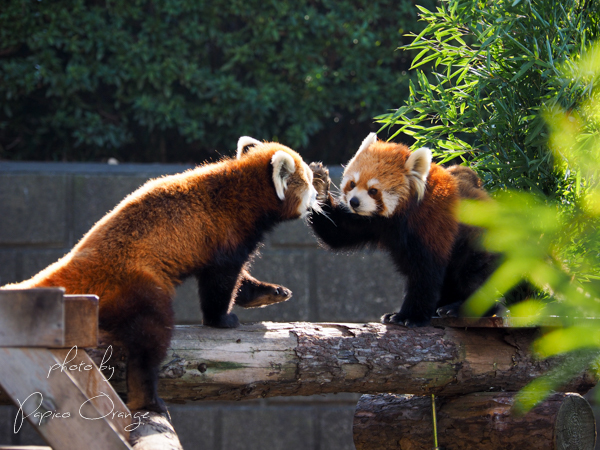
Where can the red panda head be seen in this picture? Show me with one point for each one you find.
(382, 177)
(292, 178)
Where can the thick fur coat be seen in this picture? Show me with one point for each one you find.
(401, 202)
(205, 223)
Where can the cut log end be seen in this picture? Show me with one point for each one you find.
(575, 425)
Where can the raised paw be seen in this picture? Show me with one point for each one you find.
(401, 319)
(321, 180)
(268, 296)
(225, 321)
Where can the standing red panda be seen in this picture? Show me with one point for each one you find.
(203, 222)
(402, 202)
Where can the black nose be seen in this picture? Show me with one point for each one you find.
(354, 202)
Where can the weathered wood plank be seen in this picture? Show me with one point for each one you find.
(94, 385)
(278, 359)
(53, 402)
(32, 318)
(81, 321)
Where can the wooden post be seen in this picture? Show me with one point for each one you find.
(474, 421)
(58, 389)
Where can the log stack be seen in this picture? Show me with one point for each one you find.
(473, 372)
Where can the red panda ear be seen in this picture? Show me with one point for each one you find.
(283, 166)
(366, 143)
(244, 143)
(418, 164)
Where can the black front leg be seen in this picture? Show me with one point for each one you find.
(216, 286)
(339, 228)
(253, 293)
(424, 279)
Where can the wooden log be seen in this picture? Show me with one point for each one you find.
(279, 359)
(154, 432)
(473, 421)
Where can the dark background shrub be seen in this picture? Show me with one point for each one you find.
(181, 80)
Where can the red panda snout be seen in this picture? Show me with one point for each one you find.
(370, 198)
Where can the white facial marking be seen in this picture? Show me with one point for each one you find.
(390, 201)
(372, 182)
(309, 198)
(366, 205)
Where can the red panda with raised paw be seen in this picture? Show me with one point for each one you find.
(205, 222)
(401, 202)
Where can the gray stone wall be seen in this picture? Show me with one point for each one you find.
(46, 208)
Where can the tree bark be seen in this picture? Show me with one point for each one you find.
(281, 359)
(473, 421)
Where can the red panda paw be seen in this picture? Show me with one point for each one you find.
(401, 319)
(269, 296)
(321, 180)
(449, 310)
(225, 321)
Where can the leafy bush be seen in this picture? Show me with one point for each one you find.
(177, 79)
(496, 63)
(557, 250)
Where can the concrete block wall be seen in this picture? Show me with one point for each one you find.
(45, 208)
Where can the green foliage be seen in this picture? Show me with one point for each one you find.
(555, 244)
(496, 63)
(174, 80)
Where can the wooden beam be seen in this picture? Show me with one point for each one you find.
(45, 317)
(53, 402)
(84, 372)
(478, 421)
(32, 318)
(81, 321)
(279, 359)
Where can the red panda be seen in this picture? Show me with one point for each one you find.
(204, 222)
(403, 203)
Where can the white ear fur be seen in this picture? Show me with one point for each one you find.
(243, 142)
(283, 167)
(418, 164)
(366, 143)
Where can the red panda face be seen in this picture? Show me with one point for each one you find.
(382, 177)
(292, 178)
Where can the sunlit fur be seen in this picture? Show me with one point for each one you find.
(206, 223)
(397, 200)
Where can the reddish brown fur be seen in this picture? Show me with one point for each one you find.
(403, 203)
(172, 227)
(159, 233)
